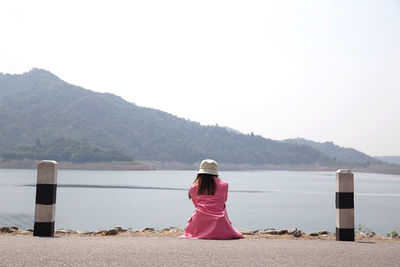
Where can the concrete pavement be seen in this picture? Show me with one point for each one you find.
(22, 250)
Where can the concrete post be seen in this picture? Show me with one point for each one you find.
(45, 208)
(344, 205)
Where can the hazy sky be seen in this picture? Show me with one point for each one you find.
(322, 70)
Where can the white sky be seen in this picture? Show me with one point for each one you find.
(322, 70)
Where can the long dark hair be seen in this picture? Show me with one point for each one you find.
(206, 184)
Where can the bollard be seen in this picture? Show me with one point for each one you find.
(45, 208)
(344, 205)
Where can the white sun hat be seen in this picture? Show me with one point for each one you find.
(209, 166)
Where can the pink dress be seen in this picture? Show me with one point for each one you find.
(210, 219)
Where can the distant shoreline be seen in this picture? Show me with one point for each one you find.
(124, 166)
(16, 164)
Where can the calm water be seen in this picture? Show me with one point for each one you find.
(89, 200)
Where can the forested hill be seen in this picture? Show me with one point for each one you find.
(65, 150)
(389, 159)
(343, 154)
(38, 105)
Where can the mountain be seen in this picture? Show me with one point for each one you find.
(341, 154)
(389, 159)
(65, 150)
(39, 105)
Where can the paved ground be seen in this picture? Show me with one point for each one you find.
(169, 251)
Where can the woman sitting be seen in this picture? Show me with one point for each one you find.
(209, 194)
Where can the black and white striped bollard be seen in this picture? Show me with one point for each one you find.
(45, 208)
(344, 205)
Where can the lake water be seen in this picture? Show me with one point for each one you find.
(89, 200)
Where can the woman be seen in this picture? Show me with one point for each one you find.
(209, 194)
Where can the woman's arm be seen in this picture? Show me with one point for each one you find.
(190, 194)
(226, 195)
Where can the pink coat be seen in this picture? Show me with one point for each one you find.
(210, 219)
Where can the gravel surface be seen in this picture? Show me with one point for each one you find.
(25, 250)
